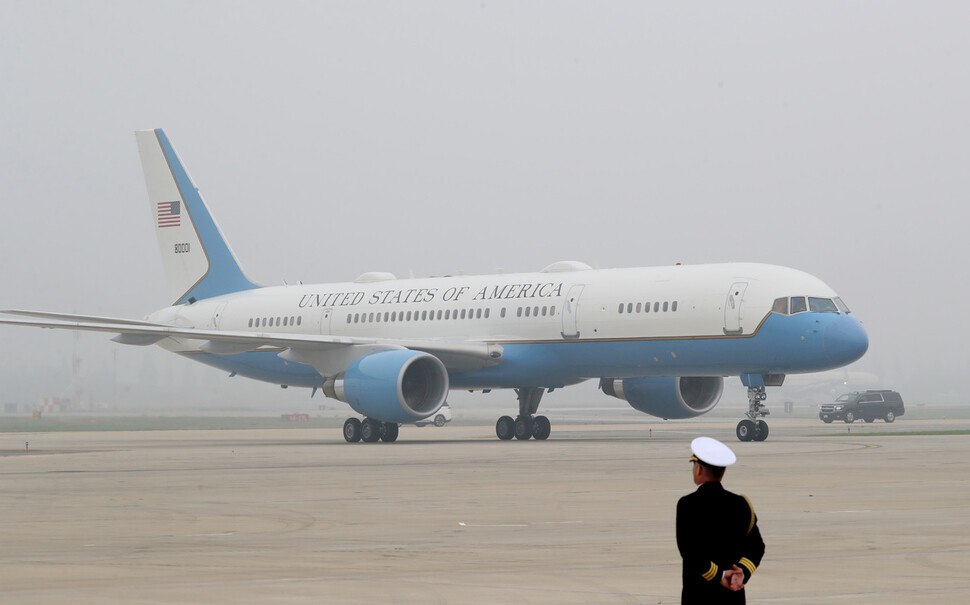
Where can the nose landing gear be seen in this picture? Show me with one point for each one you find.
(753, 428)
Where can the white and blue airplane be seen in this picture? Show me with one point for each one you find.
(661, 338)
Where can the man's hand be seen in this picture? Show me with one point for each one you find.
(733, 579)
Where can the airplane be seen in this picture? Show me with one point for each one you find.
(660, 338)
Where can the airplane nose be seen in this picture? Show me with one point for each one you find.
(845, 340)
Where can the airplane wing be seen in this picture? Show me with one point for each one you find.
(327, 354)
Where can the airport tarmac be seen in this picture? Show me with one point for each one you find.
(452, 515)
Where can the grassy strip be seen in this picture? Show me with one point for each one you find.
(156, 423)
(899, 434)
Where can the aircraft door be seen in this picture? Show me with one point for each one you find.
(732, 308)
(325, 321)
(570, 308)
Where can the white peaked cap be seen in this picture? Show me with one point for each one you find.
(712, 452)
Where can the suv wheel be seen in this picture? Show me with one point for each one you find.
(849, 417)
(890, 416)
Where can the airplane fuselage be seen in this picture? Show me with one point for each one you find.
(556, 327)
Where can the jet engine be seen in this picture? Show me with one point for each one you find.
(681, 397)
(393, 386)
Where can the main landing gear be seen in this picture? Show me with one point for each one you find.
(526, 425)
(753, 428)
(370, 430)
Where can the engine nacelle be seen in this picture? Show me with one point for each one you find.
(682, 397)
(393, 386)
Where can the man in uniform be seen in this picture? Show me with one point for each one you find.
(717, 531)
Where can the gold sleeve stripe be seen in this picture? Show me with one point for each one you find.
(750, 508)
(747, 564)
(710, 572)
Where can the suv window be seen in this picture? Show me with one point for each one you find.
(871, 397)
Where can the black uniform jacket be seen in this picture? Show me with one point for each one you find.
(715, 530)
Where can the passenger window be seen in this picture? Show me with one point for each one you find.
(502, 312)
(552, 311)
(620, 310)
(439, 313)
(386, 316)
(356, 318)
(486, 313)
(639, 307)
(463, 314)
(299, 320)
(646, 308)
(665, 307)
(543, 311)
(798, 304)
(286, 321)
(656, 307)
(448, 314)
(424, 315)
(409, 316)
(673, 307)
(250, 322)
(478, 314)
(518, 312)
(350, 317)
(527, 311)
(780, 306)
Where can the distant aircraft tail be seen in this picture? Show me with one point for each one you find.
(197, 259)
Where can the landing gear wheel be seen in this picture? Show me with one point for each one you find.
(849, 417)
(391, 431)
(505, 428)
(541, 428)
(439, 420)
(745, 430)
(890, 416)
(523, 428)
(352, 430)
(370, 430)
(760, 430)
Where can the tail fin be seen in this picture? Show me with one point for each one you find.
(197, 259)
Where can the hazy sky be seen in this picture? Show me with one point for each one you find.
(333, 138)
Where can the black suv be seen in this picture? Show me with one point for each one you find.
(867, 405)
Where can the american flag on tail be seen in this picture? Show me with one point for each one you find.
(169, 214)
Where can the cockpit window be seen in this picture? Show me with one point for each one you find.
(822, 305)
(802, 304)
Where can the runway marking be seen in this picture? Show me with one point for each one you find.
(463, 524)
(225, 533)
